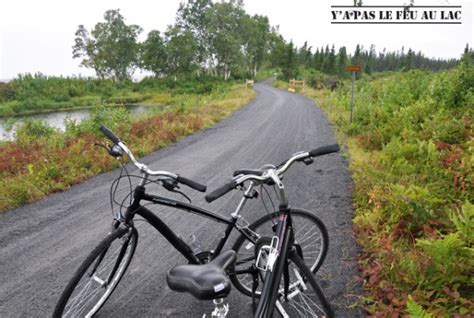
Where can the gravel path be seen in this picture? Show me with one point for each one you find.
(41, 244)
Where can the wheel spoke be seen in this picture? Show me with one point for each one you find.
(309, 232)
(98, 276)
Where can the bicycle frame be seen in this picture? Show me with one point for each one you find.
(284, 232)
(167, 232)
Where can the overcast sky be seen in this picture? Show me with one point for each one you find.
(38, 35)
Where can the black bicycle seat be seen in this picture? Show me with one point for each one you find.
(205, 282)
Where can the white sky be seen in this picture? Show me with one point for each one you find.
(38, 35)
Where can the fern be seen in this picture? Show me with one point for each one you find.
(464, 221)
(415, 310)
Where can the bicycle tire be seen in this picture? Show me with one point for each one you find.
(302, 220)
(119, 245)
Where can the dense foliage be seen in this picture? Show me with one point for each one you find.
(412, 155)
(217, 38)
(39, 93)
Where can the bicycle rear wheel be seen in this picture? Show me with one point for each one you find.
(311, 238)
(98, 275)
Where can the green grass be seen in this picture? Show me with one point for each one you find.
(411, 148)
(29, 94)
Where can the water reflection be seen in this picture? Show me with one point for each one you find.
(57, 119)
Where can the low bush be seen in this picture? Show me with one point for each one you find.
(38, 93)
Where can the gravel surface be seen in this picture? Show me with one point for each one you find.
(41, 244)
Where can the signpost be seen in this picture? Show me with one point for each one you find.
(353, 69)
(294, 84)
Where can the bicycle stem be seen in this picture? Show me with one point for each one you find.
(236, 213)
(281, 189)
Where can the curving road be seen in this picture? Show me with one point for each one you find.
(42, 243)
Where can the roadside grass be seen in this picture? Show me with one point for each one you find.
(30, 94)
(43, 160)
(411, 148)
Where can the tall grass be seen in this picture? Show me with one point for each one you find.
(39, 93)
(411, 146)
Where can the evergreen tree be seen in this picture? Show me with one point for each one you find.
(468, 55)
(369, 65)
(331, 68)
(326, 62)
(304, 55)
(356, 59)
(409, 60)
(289, 67)
(342, 61)
(316, 63)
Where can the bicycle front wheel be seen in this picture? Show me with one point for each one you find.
(311, 238)
(98, 275)
(304, 296)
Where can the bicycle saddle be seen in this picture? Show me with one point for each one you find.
(205, 282)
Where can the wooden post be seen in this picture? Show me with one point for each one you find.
(353, 69)
(293, 84)
(352, 99)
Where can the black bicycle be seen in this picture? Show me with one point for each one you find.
(101, 272)
(288, 283)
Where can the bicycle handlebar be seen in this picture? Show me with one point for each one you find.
(143, 168)
(324, 150)
(263, 176)
(109, 134)
(217, 193)
(192, 184)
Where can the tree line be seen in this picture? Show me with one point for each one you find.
(328, 61)
(220, 39)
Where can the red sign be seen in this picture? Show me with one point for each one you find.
(354, 68)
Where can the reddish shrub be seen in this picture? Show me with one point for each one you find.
(14, 158)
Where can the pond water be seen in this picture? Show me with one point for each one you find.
(57, 119)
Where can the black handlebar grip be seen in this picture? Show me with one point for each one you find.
(324, 150)
(217, 193)
(192, 184)
(109, 134)
(248, 171)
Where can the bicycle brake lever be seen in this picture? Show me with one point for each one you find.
(98, 144)
(170, 184)
(308, 161)
(184, 195)
(114, 150)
